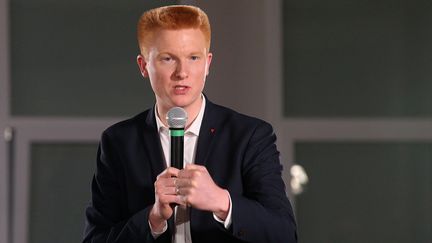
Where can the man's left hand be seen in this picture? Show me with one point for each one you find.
(197, 189)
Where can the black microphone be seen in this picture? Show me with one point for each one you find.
(177, 118)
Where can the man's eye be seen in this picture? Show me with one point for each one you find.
(166, 59)
(194, 58)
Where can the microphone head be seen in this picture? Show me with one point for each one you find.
(176, 117)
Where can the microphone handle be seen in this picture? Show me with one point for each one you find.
(177, 147)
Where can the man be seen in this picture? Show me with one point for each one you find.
(230, 189)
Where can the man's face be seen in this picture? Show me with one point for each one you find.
(177, 65)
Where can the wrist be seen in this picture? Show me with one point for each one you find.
(223, 206)
(157, 223)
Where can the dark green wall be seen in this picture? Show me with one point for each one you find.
(365, 192)
(77, 58)
(357, 58)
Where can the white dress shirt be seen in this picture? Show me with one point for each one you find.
(181, 214)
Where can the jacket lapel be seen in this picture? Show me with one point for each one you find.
(152, 144)
(206, 136)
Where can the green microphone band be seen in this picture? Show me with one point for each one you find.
(177, 133)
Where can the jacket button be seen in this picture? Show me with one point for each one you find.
(241, 233)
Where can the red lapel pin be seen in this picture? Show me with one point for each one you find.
(212, 130)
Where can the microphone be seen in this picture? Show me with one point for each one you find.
(176, 119)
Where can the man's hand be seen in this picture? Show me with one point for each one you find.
(196, 188)
(165, 194)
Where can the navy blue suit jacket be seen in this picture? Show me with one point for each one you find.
(238, 151)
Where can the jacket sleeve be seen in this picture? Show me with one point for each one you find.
(107, 217)
(263, 212)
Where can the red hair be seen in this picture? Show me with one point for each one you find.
(173, 17)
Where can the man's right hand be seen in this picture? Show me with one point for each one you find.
(165, 194)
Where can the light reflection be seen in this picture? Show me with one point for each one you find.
(299, 179)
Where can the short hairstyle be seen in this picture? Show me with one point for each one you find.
(172, 17)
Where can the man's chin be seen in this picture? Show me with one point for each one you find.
(184, 103)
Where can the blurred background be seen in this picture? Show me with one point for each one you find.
(346, 84)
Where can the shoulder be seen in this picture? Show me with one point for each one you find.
(236, 128)
(232, 118)
(128, 127)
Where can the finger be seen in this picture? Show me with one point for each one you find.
(167, 191)
(184, 174)
(182, 200)
(166, 182)
(174, 200)
(169, 172)
(172, 182)
(181, 191)
(184, 183)
(188, 173)
(170, 199)
(195, 167)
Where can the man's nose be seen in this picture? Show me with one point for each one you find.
(181, 70)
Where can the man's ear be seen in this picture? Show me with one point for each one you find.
(209, 59)
(142, 65)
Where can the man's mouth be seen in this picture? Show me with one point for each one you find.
(179, 87)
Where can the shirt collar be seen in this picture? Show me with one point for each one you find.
(194, 128)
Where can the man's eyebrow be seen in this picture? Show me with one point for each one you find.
(193, 53)
(164, 53)
(196, 53)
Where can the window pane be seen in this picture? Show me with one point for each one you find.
(365, 192)
(357, 58)
(77, 58)
(60, 191)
